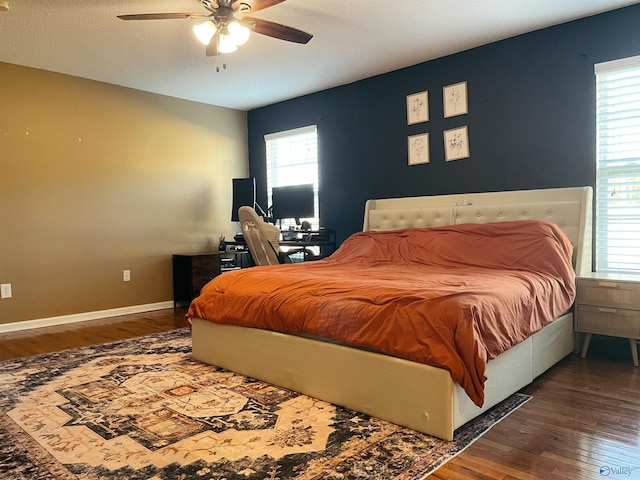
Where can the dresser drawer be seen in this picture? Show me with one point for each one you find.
(616, 322)
(609, 293)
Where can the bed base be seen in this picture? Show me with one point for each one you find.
(410, 394)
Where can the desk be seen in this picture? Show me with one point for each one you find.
(310, 238)
(325, 239)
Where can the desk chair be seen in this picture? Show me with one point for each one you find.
(262, 238)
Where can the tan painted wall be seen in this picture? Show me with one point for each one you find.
(95, 179)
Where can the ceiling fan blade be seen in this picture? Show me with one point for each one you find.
(276, 30)
(257, 5)
(161, 16)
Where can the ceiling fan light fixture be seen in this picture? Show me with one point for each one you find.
(204, 31)
(221, 26)
(226, 44)
(239, 33)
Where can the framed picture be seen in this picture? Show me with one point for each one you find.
(455, 99)
(456, 144)
(417, 108)
(418, 149)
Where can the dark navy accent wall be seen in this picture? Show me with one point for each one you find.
(531, 120)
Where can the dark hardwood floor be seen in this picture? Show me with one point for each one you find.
(25, 343)
(583, 421)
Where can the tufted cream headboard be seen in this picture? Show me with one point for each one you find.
(569, 208)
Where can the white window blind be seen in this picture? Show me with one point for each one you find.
(292, 159)
(618, 166)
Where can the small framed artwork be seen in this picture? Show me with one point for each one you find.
(455, 99)
(417, 108)
(418, 149)
(456, 143)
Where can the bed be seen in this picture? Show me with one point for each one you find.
(409, 393)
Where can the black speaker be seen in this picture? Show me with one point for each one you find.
(244, 193)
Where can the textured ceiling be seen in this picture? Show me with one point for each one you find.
(352, 40)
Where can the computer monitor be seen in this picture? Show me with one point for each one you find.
(244, 193)
(293, 201)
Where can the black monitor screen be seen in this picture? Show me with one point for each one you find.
(294, 201)
(244, 193)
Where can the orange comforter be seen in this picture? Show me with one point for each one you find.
(452, 297)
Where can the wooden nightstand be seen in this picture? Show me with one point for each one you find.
(609, 304)
(191, 272)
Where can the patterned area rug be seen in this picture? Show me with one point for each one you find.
(142, 409)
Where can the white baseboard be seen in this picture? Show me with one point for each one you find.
(83, 317)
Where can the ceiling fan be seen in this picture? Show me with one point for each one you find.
(223, 31)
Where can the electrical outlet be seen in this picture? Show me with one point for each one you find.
(5, 290)
(126, 275)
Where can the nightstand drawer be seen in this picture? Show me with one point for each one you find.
(609, 293)
(206, 262)
(616, 322)
(200, 279)
(204, 269)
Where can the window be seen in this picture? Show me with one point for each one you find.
(618, 166)
(292, 159)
